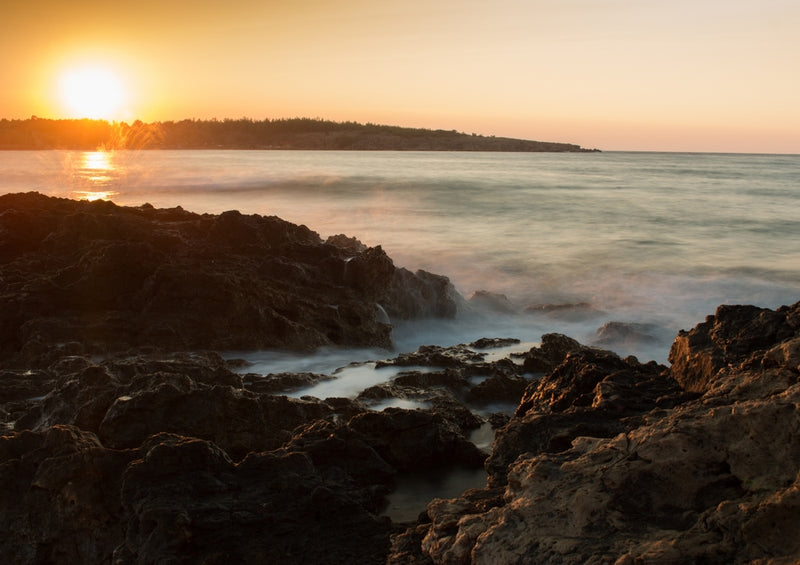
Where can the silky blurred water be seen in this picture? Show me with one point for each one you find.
(649, 238)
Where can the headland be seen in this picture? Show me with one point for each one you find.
(294, 133)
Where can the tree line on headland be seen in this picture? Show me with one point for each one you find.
(245, 133)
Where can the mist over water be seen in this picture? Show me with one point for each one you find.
(655, 241)
(658, 239)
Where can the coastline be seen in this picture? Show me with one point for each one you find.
(118, 411)
(288, 134)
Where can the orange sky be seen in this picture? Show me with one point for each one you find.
(683, 75)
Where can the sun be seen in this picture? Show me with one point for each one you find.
(92, 92)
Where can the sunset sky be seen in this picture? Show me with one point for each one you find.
(683, 75)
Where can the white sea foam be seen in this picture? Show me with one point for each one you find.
(404, 403)
(350, 380)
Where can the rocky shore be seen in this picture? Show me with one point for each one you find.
(128, 439)
(93, 278)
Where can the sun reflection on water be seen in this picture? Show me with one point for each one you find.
(96, 174)
(93, 195)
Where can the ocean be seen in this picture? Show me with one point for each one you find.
(649, 242)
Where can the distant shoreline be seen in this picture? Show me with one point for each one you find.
(354, 150)
(245, 134)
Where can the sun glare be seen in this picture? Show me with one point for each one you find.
(96, 174)
(92, 92)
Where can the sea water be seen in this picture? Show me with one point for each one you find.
(655, 239)
(572, 241)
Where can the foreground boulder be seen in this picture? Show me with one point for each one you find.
(94, 277)
(611, 461)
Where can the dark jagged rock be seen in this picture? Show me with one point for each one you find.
(421, 295)
(591, 393)
(186, 501)
(342, 454)
(203, 467)
(238, 421)
(440, 392)
(435, 356)
(614, 333)
(608, 460)
(126, 400)
(728, 337)
(456, 412)
(493, 342)
(424, 387)
(22, 385)
(492, 301)
(60, 492)
(281, 382)
(69, 499)
(156, 456)
(352, 244)
(108, 278)
(415, 440)
(465, 374)
(595, 378)
(553, 349)
(449, 378)
(500, 388)
(166, 434)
